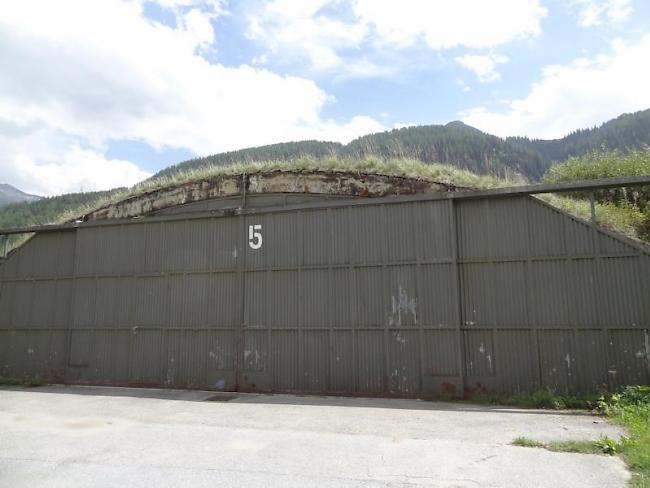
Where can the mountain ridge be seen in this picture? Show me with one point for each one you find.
(11, 194)
(478, 152)
(454, 143)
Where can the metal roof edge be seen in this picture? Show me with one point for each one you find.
(583, 185)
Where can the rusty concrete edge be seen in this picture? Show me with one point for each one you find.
(339, 183)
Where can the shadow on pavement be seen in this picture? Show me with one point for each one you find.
(285, 399)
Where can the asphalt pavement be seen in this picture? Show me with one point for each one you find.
(64, 436)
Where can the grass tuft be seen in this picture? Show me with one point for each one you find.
(540, 399)
(622, 217)
(630, 408)
(583, 447)
(527, 442)
(389, 166)
(604, 445)
(31, 382)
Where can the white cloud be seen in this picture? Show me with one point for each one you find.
(197, 24)
(79, 170)
(260, 60)
(469, 23)
(301, 28)
(80, 74)
(483, 66)
(43, 161)
(463, 86)
(212, 7)
(314, 29)
(584, 93)
(332, 130)
(597, 12)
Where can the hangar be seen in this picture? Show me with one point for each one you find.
(329, 283)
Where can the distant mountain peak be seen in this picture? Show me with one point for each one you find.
(458, 123)
(11, 194)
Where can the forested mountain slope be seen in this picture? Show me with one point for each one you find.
(628, 131)
(455, 144)
(47, 210)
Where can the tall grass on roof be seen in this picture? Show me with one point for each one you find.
(625, 220)
(394, 167)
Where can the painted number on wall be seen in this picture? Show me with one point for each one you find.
(255, 236)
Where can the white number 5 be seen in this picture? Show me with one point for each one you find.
(255, 236)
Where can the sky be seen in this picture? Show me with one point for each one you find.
(103, 93)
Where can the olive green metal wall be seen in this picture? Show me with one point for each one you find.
(404, 298)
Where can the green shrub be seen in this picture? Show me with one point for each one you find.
(625, 209)
(540, 399)
(631, 408)
(607, 164)
(607, 445)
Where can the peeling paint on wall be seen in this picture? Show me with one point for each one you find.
(401, 306)
(171, 370)
(253, 360)
(217, 357)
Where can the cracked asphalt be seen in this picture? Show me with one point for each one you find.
(62, 436)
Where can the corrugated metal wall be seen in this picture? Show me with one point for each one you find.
(411, 298)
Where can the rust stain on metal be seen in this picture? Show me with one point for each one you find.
(315, 182)
(476, 389)
(448, 388)
(55, 376)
